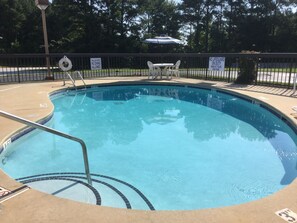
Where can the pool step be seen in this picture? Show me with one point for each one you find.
(105, 190)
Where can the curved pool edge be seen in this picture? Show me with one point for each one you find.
(39, 109)
(33, 206)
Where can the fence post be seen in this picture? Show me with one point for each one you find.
(229, 73)
(290, 73)
(51, 67)
(187, 66)
(206, 68)
(18, 71)
(82, 67)
(257, 70)
(140, 65)
(108, 64)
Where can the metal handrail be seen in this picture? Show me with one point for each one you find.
(73, 80)
(53, 131)
(80, 76)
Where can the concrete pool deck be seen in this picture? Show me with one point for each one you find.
(31, 101)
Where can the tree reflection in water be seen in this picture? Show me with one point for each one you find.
(114, 115)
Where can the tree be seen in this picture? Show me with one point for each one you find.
(159, 17)
(201, 15)
(120, 25)
(13, 15)
(192, 11)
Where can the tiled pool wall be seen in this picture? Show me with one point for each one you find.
(22, 132)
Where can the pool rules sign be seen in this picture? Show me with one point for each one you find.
(216, 63)
(96, 63)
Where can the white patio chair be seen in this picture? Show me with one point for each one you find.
(153, 71)
(174, 70)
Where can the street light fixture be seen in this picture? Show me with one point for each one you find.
(42, 5)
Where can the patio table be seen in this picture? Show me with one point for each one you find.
(163, 67)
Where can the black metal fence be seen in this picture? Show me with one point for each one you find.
(272, 69)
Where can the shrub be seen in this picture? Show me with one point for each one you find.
(247, 68)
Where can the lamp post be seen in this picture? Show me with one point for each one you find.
(42, 5)
(1, 49)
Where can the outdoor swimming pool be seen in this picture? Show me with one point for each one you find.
(158, 147)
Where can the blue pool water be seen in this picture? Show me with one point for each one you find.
(182, 148)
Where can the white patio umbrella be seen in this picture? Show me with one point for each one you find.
(163, 40)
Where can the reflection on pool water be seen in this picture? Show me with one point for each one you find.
(182, 148)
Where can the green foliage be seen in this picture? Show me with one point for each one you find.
(12, 17)
(247, 68)
(121, 25)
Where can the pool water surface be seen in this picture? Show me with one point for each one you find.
(159, 147)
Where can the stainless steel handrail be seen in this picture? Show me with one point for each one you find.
(53, 131)
(73, 79)
(80, 76)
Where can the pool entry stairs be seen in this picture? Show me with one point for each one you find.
(105, 190)
(34, 125)
(84, 187)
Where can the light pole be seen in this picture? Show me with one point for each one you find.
(42, 5)
(1, 49)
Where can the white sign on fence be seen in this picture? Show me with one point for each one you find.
(216, 63)
(96, 63)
